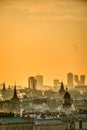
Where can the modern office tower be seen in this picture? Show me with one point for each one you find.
(82, 79)
(70, 80)
(76, 79)
(32, 83)
(56, 83)
(39, 82)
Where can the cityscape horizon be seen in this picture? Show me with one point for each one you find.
(21, 85)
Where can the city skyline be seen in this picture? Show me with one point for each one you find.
(38, 82)
(42, 37)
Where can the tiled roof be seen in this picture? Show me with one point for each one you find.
(13, 120)
(47, 121)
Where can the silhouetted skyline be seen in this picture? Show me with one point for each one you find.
(37, 82)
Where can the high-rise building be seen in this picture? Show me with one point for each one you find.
(82, 79)
(56, 84)
(76, 79)
(32, 83)
(70, 80)
(39, 81)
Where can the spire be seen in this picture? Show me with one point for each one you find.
(15, 93)
(61, 90)
(4, 88)
(62, 86)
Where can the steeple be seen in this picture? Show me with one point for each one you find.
(4, 88)
(67, 98)
(62, 86)
(4, 92)
(15, 93)
(61, 90)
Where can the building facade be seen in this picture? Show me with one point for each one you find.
(15, 123)
(49, 124)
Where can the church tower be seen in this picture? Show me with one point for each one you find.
(67, 99)
(4, 88)
(15, 102)
(4, 92)
(61, 90)
(15, 93)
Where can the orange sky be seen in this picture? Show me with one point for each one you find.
(46, 37)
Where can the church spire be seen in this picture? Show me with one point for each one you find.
(4, 88)
(15, 93)
(61, 90)
(62, 86)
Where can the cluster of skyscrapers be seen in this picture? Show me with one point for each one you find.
(35, 82)
(75, 80)
(72, 81)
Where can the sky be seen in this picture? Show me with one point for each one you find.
(47, 37)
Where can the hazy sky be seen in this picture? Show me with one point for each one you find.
(46, 37)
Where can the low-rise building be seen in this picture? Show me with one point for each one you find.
(49, 124)
(15, 123)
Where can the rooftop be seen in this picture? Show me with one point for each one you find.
(13, 120)
(48, 121)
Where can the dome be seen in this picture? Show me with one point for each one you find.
(67, 95)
